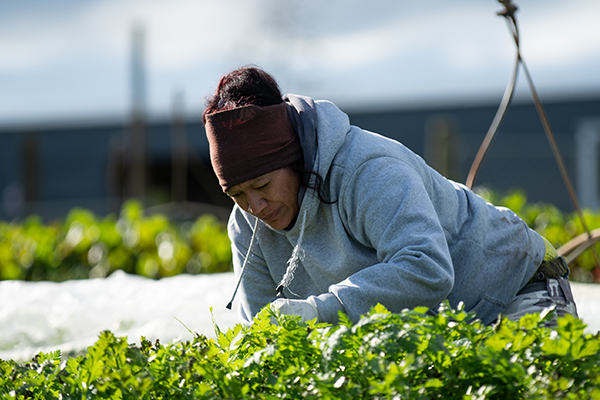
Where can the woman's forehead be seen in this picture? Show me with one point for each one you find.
(250, 182)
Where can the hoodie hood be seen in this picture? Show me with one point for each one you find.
(303, 115)
(309, 117)
(319, 152)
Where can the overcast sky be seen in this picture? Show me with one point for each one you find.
(71, 59)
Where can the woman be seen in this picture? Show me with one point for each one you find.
(329, 217)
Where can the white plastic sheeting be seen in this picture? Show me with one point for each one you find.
(44, 316)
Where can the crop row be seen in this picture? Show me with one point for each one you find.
(86, 246)
(411, 355)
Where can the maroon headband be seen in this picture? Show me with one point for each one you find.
(250, 141)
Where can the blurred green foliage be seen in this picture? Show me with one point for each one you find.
(555, 225)
(85, 246)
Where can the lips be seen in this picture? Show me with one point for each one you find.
(270, 217)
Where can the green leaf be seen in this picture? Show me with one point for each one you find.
(434, 383)
(559, 346)
(584, 348)
(379, 309)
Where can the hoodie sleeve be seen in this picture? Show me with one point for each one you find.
(257, 280)
(384, 204)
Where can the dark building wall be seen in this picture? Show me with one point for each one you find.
(47, 170)
(51, 169)
(55, 168)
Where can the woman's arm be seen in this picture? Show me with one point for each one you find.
(384, 204)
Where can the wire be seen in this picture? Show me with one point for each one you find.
(506, 99)
(509, 14)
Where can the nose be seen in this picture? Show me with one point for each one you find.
(256, 203)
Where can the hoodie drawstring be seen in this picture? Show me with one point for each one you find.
(254, 231)
(293, 261)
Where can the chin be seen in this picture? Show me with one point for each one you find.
(280, 224)
(276, 225)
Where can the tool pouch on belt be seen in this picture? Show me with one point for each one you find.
(550, 270)
(553, 273)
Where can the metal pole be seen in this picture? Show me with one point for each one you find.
(179, 152)
(137, 161)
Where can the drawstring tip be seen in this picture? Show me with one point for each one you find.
(279, 290)
(228, 306)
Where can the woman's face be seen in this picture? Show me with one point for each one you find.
(272, 197)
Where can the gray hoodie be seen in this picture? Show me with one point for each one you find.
(398, 233)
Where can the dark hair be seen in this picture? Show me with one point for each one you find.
(244, 86)
(317, 186)
(251, 85)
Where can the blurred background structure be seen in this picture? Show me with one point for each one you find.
(100, 101)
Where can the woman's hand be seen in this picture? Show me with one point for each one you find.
(306, 309)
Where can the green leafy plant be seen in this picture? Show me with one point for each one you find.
(411, 355)
(84, 246)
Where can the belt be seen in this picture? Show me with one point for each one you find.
(550, 269)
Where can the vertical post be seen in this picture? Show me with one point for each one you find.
(30, 171)
(440, 146)
(587, 157)
(137, 142)
(179, 151)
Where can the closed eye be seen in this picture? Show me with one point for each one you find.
(262, 186)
